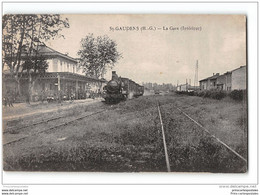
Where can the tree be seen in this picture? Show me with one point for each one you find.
(22, 36)
(35, 67)
(98, 54)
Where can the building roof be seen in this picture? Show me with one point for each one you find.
(210, 78)
(63, 75)
(238, 68)
(49, 52)
(217, 75)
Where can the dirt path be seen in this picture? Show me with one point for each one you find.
(24, 110)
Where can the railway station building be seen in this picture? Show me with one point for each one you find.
(63, 77)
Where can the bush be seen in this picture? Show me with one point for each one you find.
(207, 94)
(214, 94)
(200, 93)
(238, 95)
(218, 95)
(190, 93)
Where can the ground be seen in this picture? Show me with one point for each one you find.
(127, 137)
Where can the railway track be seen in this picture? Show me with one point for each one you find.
(27, 124)
(53, 127)
(10, 129)
(166, 146)
(200, 127)
(164, 140)
(213, 136)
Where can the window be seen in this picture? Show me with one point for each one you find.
(51, 88)
(60, 66)
(55, 65)
(43, 86)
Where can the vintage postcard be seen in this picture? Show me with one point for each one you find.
(125, 93)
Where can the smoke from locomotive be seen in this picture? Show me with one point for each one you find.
(119, 88)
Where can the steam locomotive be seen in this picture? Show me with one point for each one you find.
(118, 89)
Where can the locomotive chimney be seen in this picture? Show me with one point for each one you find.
(114, 75)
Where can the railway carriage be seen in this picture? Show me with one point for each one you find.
(119, 88)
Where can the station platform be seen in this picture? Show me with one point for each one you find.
(21, 110)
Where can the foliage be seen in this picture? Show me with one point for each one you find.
(238, 95)
(98, 54)
(190, 93)
(214, 94)
(36, 65)
(22, 37)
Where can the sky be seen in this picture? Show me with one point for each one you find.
(160, 55)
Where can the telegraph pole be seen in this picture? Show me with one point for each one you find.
(196, 74)
(59, 93)
(186, 85)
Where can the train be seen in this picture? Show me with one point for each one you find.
(119, 89)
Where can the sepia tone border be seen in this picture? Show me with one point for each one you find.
(247, 83)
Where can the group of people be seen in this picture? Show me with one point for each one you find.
(9, 99)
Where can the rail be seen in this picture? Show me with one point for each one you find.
(164, 141)
(54, 127)
(218, 140)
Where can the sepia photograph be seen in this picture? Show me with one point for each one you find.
(125, 93)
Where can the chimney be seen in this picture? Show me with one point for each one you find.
(213, 74)
(217, 74)
(114, 75)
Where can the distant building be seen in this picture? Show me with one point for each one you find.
(209, 83)
(182, 87)
(224, 82)
(235, 79)
(160, 87)
(238, 80)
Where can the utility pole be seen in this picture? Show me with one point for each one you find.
(59, 93)
(186, 85)
(196, 74)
